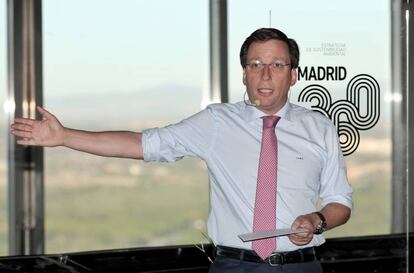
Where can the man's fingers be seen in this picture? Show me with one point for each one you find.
(26, 142)
(300, 235)
(24, 121)
(22, 134)
(44, 113)
(304, 234)
(300, 238)
(21, 127)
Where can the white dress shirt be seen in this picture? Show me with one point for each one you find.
(228, 138)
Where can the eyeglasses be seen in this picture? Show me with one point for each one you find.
(257, 66)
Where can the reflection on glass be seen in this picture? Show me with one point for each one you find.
(143, 67)
(334, 50)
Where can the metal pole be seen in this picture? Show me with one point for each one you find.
(218, 91)
(399, 119)
(410, 90)
(25, 168)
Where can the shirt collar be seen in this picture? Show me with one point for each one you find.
(251, 113)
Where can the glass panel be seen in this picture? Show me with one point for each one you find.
(337, 54)
(123, 66)
(3, 130)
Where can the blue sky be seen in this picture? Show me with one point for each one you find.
(125, 45)
(107, 47)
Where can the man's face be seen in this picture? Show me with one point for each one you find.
(269, 87)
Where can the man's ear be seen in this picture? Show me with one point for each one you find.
(293, 76)
(244, 77)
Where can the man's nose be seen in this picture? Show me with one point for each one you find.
(266, 73)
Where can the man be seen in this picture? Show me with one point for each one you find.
(300, 162)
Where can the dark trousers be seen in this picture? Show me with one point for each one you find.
(228, 265)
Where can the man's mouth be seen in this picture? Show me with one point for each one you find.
(265, 90)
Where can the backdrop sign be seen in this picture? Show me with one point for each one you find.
(359, 110)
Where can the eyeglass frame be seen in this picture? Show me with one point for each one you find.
(276, 66)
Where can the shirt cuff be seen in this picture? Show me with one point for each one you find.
(150, 144)
(343, 200)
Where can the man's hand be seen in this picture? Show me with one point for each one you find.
(307, 222)
(46, 132)
(336, 214)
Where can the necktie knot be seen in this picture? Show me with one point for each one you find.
(270, 121)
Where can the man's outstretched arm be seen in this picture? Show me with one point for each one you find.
(49, 132)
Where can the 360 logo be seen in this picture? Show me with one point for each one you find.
(347, 115)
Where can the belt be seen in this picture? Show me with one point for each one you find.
(277, 258)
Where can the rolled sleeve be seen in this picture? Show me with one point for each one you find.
(190, 137)
(345, 200)
(335, 187)
(150, 144)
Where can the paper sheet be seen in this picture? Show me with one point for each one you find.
(269, 233)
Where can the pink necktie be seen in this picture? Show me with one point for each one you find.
(265, 205)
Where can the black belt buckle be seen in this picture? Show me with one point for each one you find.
(276, 259)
